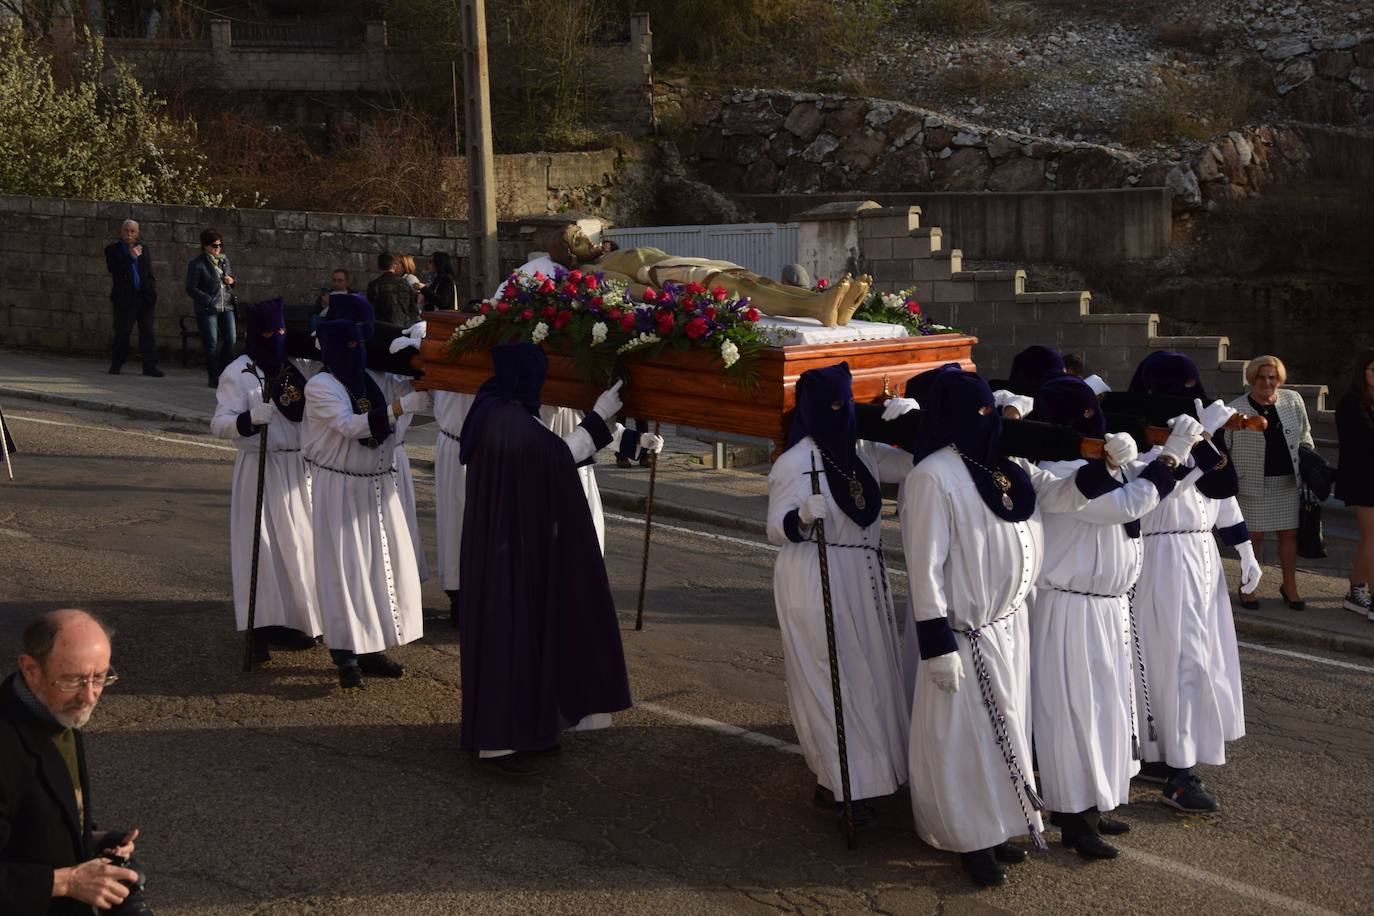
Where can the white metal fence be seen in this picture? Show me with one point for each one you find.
(764, 248)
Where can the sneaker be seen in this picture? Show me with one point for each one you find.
(378, 665)
(350, 676)
(1187, 793)
(1158, 772)
(1357, 599)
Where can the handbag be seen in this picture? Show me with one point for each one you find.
(1314, 471)
(1311, 541)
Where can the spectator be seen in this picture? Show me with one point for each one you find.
(443, 292)
(210, 285)
(338, 286)
(52, 859)
(392, 299)
(1074, 364)
(1267, 467)
(133, 293)
(407, 272)
(1354, 482)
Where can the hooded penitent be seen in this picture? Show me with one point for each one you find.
(1034, 366)
(260, 320)
(1164, 372)
(345, 356)
(825, 412)
(958, 410)
(1068, 401)
(355, 308)
(518, 372)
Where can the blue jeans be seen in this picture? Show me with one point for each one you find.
(217, 333)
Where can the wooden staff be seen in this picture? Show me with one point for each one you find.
(257, 528)
(5, 446)
(1158, 435)
(819, 526)
(648, 530)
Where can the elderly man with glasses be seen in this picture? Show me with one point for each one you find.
(52, 859)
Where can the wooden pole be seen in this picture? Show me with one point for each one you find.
(648, 532)
(484, 265)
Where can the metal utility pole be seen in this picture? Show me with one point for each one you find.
(484, 266)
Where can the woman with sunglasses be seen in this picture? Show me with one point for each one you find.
(210, 283)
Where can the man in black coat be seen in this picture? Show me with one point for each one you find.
(392, 299)
(52, 861)
(133, 294)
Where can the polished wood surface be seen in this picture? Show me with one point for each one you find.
(690, 388)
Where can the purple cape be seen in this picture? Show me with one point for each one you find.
(539, 633)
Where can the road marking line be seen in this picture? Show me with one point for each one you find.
(127, 432)
(1305, 657)
(723, 728)
(1280, 902)
(1179, 869)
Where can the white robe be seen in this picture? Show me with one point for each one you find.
(405, 483)
(563, 421)
(866, 639)
(286, 557)
(1082, 693)
(450, 483)
(365, 570)
(977, 570)
(1187, 636)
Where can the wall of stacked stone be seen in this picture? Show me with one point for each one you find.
(1324, 79)
(54, 289)
(764, 142)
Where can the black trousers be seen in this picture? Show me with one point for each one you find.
(125, 317)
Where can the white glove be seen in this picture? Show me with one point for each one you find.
(1250, 571)
(609, 403)
(1186, 433)
(1098, 386)
(1121, 449)
(812, 509)
(400, 343)
(651, 443)
(1017, 402)
(261, 413)
(417, 402)
(1214, 416)
(895, 407)
(416, 331)
(947, 671)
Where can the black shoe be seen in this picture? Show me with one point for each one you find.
(1293, 605)
(378, 665)
(623, 462)
(287, 638)
(350, 676)
(114, 370)
(1090, 846)
(1009, 853)
(1158, 772)
(260, 652)
(646, 462)
(1187, 793)
(864, 813)
(552, 750)
(453, 594)
(1250, 604)
(1110, 826)
(153, 372)
(518, 765)
(982, 866)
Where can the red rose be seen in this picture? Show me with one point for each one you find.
(570, 289)
(688, 305)
(627, 321)
(549, 311)
(613, 314)
(695, 328)
(718, 293)
(752, 314)
(575, 276)
(485, 309)
(510, 292)
(598, 301)
(562, 319)
(590, 281)
(546, 287)
(709, 312)
(650, 295)
(527, 314)
(503, 306)
(822, 283)
(913, 306)
(665, 324)
(539, 275)
(696, 289)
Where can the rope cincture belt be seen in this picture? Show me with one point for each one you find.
(444, 432)
(1144, 684)
(349, 473)
(1020, 785)
(1150, 534)
(1072, 591)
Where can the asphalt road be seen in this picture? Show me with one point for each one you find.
(277, 793)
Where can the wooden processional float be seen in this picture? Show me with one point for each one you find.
(688, 388)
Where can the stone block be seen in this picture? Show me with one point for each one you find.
(877, 249)
(14, 337)
(922, 243)
(430, 245)
(890, 272)
(49, 206)
(404, 244)
(930, 268)
(152, 231)
(85, 208)
(289, 219)
(890, 222)
(50, 338)
(249, 218)
(427, 227)
(148, 213)
(16, 203)
(323, 222)
(23, 242)
(364, 244)
(357, 223)
(186, 233)
(58, 282)
(1077, 334)
(392, 225)
(456, 229)
(115, 210)
(950, 290)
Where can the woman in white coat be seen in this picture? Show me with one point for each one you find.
(824, 438)
(286, 612)
(1189, 675)
(365, 570)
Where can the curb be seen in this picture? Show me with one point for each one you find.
(135, 413)
(1315, 639)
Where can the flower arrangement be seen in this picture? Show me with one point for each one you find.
(596, 320)
(900, 308)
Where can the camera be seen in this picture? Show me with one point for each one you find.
(134, 904)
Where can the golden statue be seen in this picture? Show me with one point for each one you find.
(643, 268)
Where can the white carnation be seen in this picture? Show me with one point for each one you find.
(472, 324)
(541, 330)
(729, 353)
(599, 332)
(643, 340)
